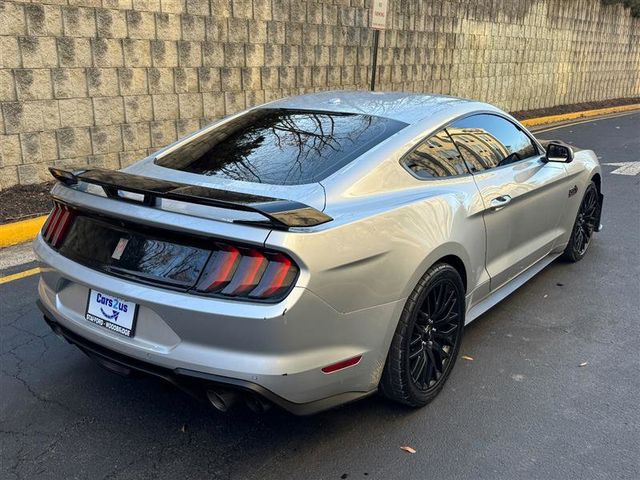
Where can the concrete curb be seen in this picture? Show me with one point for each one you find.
(532, 122)
(22, 231)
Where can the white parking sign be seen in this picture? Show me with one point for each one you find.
(379, 15)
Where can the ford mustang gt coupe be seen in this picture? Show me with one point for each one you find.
(313, 250)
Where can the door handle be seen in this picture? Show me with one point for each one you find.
(500, 202)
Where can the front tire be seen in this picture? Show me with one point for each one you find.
(584, 225)
(427, 340)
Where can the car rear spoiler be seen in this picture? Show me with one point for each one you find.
(281, 214)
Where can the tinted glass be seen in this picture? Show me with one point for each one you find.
(282, 147)
(93, 243)
(488, 141)
(437, 156)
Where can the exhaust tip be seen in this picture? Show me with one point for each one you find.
(112, 367)
(222, 400)
(257, 404)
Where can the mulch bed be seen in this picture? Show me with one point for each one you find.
(577, 107)
(24, 201)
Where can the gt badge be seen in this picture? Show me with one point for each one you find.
(119, 250)
(573, 191)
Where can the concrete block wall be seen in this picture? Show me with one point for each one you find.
(106, 82)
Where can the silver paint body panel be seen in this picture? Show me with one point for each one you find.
(356, 271)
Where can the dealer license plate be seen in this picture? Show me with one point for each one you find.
(111, 312)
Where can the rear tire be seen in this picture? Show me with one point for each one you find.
(584, 226)
(427, 339)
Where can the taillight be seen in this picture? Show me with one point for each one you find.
(57, 225)
(221, 267)
(278, 276)
(248, 272)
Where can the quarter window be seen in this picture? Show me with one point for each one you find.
(437, 156)
(488, 141)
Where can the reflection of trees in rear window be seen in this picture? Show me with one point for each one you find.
(282, 146)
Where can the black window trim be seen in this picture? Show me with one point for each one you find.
(539, 148)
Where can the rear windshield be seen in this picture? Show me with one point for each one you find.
(282, 147)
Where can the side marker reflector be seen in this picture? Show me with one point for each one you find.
(349, 362)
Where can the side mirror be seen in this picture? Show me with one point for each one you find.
(559, 152)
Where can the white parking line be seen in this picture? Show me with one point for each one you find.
(625, 168)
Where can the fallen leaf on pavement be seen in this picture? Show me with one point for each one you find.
(583, 364)
(408, 449)
(467, 357)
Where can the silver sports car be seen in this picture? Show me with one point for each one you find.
(313, 250)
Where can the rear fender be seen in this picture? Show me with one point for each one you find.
(378, 259)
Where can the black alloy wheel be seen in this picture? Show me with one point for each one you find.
(425, 345)
(584, 226)
(435, 335)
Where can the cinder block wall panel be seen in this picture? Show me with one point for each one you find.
(106, 82)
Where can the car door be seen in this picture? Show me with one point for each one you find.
(523, 195)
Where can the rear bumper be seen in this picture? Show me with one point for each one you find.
(274, 350)
(193, 382)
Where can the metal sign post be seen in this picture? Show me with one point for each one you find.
(374, 66)
(378, 22)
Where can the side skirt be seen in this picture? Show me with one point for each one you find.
(507, 289)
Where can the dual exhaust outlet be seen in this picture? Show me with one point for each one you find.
(223, 400)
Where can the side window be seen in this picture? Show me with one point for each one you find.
(435, 157)
(488, 141)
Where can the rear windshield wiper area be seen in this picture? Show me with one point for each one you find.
(279, 213)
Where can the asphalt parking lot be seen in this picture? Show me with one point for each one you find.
(522, 408)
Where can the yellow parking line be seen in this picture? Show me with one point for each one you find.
(578, 122)
(19, 275)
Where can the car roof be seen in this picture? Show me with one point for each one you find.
(405, 107)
